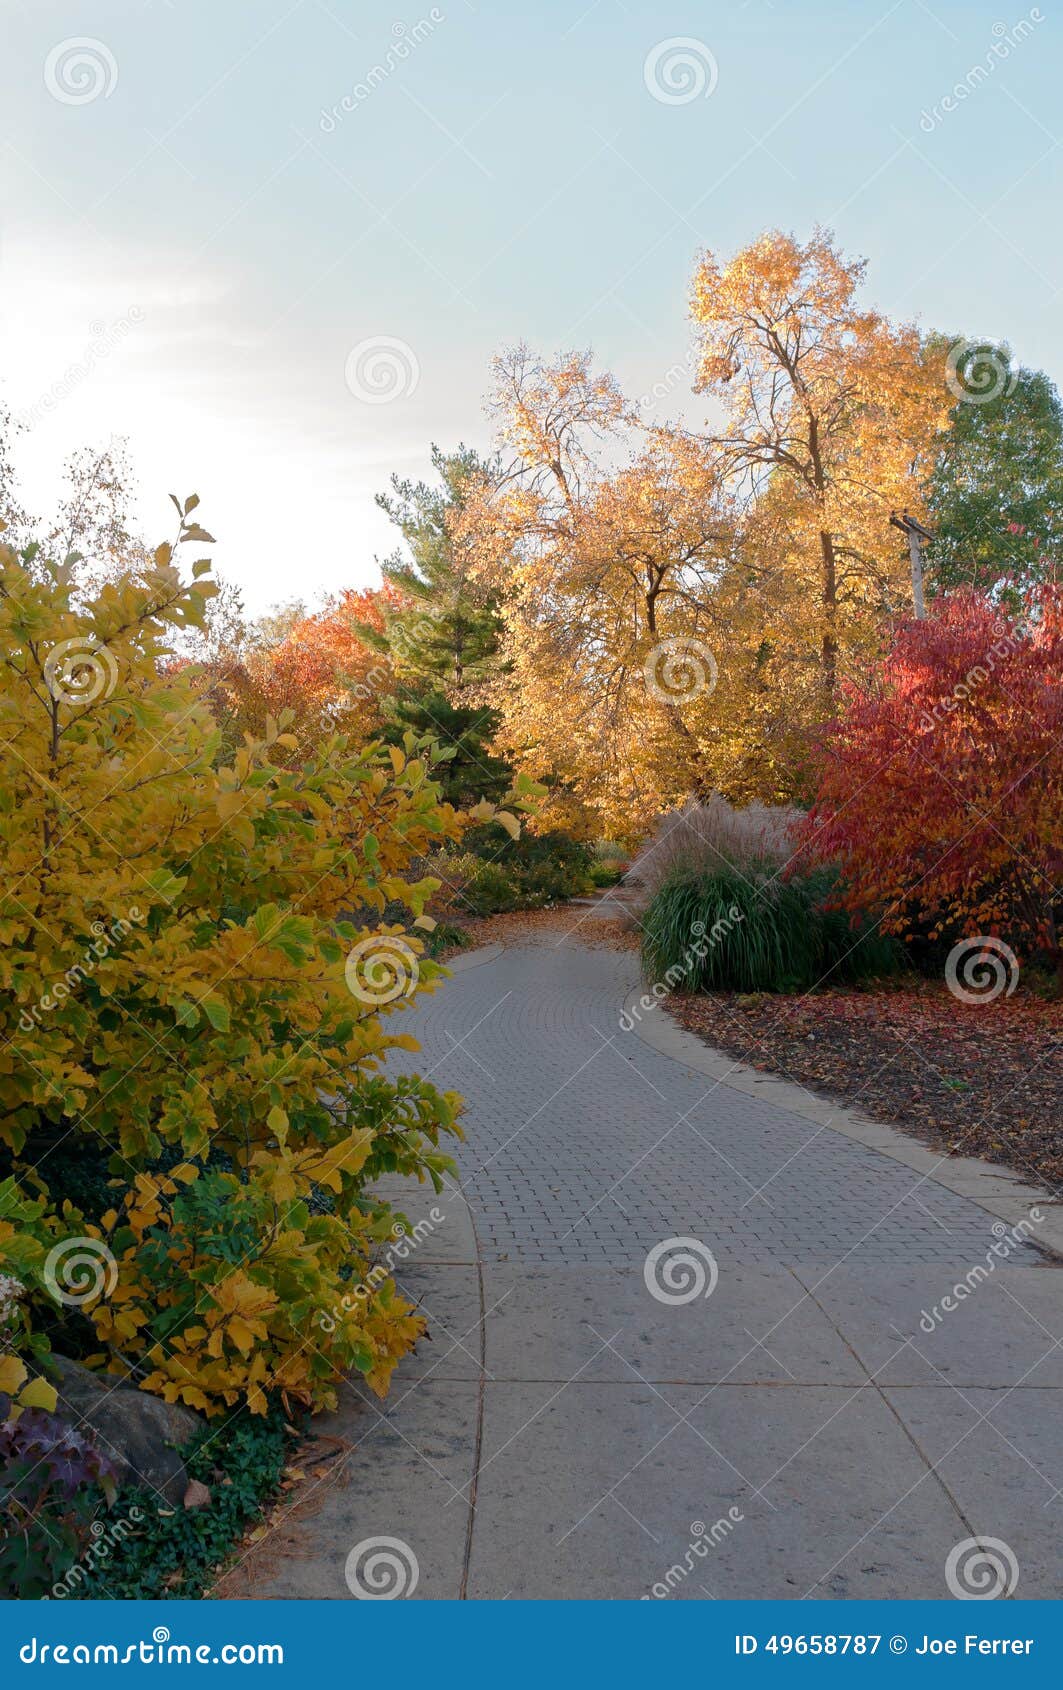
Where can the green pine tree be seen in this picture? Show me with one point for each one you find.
(449, 635)
(446, 643)
(471, 771)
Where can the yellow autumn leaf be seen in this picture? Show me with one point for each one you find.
(12, 1373)
(38, 1394)
(243, 1334)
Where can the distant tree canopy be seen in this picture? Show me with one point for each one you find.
(995, 496)
(629, 611)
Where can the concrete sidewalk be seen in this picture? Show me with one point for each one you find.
(686, 1342)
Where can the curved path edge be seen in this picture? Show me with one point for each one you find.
(996, 1189)
(473, 959)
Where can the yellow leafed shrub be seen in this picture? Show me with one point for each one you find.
(196, 977)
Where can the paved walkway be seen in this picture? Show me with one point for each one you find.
(778, 1406)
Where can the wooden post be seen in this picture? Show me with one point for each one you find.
(915, 534)
(915, 552)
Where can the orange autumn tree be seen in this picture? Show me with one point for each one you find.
(941, 788)
(324, 670)
(320, 669)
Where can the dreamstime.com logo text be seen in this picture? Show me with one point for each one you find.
(401, 1245)
(1007, 1241)
(402, 642)
(159, 1651)
(699, 948)
(104, 941)
(405, 41)
(1004, 43)
(702, 1539)
(676, 376)
(976, 677)
(105, 1536)
(105, 339)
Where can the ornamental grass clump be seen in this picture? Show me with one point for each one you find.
(725, 930)
(704, 837)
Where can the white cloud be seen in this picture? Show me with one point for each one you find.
(98, 344)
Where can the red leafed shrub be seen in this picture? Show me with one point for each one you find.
(941, 784)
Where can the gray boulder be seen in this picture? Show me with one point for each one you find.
(139, 1432)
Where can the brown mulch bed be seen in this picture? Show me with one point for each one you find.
(972, 1079)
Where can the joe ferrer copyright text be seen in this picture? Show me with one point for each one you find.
(868, 1643)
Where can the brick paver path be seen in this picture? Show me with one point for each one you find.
(586, 1145)
(807, 1421)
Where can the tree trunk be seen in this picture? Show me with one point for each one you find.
(829, 649)
(829, 657)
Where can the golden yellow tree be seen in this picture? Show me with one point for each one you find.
(679, 608)
(602, 540)
(832, 412)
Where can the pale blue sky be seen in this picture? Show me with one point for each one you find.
(208, 251)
